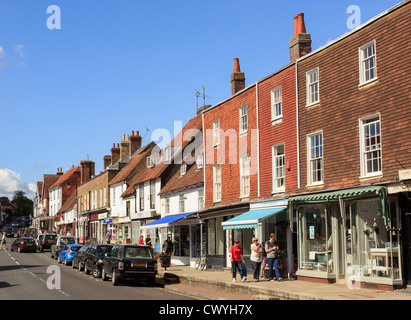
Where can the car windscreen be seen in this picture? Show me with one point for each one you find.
(28, 240)
(50, 237)
(137, 253)
(67, 240)
(75, 249)
(104, 249)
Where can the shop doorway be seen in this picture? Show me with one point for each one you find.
(407, 248)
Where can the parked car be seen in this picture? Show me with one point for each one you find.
(68, 252)
(45, 241)
(61, 241)
(28, 232)
(93, 260)
(24, 244)
(78, 259)
(9, 232)
(130, 261)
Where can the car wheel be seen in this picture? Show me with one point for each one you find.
(73, 265)
(103, 275)
(152, 281)
(96, 272)
(66, 262)
(18, 249)
(79, 266)
(58, 259)
(86, 270)
(114, 278)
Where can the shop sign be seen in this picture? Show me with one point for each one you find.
(110, 220)
(404, 174)
(398, 187)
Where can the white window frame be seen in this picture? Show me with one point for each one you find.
(315, 159)
(364, 60)
(200, 199)
(276, 104)
(217, 183)
(243, 114)
(167, 205)
(181, 203)
(278, 168)
(183, 169)
(368, 153)
(216, 133)
(244, 176)
(313, 86)
(200, 161)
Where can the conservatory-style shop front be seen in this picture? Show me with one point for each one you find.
(262, 219)
(186, 231)
(348, 235)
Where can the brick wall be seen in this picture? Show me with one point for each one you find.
(228, 113)
(272, 133)
(344, 102)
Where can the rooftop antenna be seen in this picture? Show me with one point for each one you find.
(198, 94)
(147, 130)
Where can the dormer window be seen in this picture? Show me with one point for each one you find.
(200, 161)
(183, 169)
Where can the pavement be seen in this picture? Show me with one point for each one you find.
(218, 285)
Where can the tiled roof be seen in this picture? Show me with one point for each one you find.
(155, 172)
(133, 162)
(63, 178)
(48, 180)
(71, 201)
(192, 177)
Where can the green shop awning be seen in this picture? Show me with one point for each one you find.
(346, 195)
(250, 219)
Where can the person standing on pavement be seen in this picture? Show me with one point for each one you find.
(3, 242)
(256, 258)
(108, 236)
(271, 247)
(141, 240)
(237, 260)
(168, 246)
(148, 240)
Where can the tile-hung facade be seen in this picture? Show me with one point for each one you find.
(249, 198)
(230, 167)
(353, 128)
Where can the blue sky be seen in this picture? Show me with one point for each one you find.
(116, 66)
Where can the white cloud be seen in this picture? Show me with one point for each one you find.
(2, 53)
(11, 181)
(20, 50)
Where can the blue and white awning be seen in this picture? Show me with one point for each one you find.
(251, 219)
(167, 220)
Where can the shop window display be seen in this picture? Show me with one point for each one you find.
(372, 251)
(316, 241)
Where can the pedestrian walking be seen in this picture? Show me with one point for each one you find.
(271, 247)
(237, 260)
(3, 242)
(256, 258)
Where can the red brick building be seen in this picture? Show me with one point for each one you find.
(354, 162)
(251, 158)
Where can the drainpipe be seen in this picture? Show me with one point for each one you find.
(297, 124)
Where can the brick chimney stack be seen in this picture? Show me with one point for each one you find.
(300, 43)
(124, 148)
(115, 153)
(237, 78)
(106, 161)
(134, 142)
(87, 170)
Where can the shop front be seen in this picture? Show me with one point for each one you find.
(186, 233)
(348, 236)
(259, 222)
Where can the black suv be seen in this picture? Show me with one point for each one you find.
(130, 261)
(45, 241)
(93, 258)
